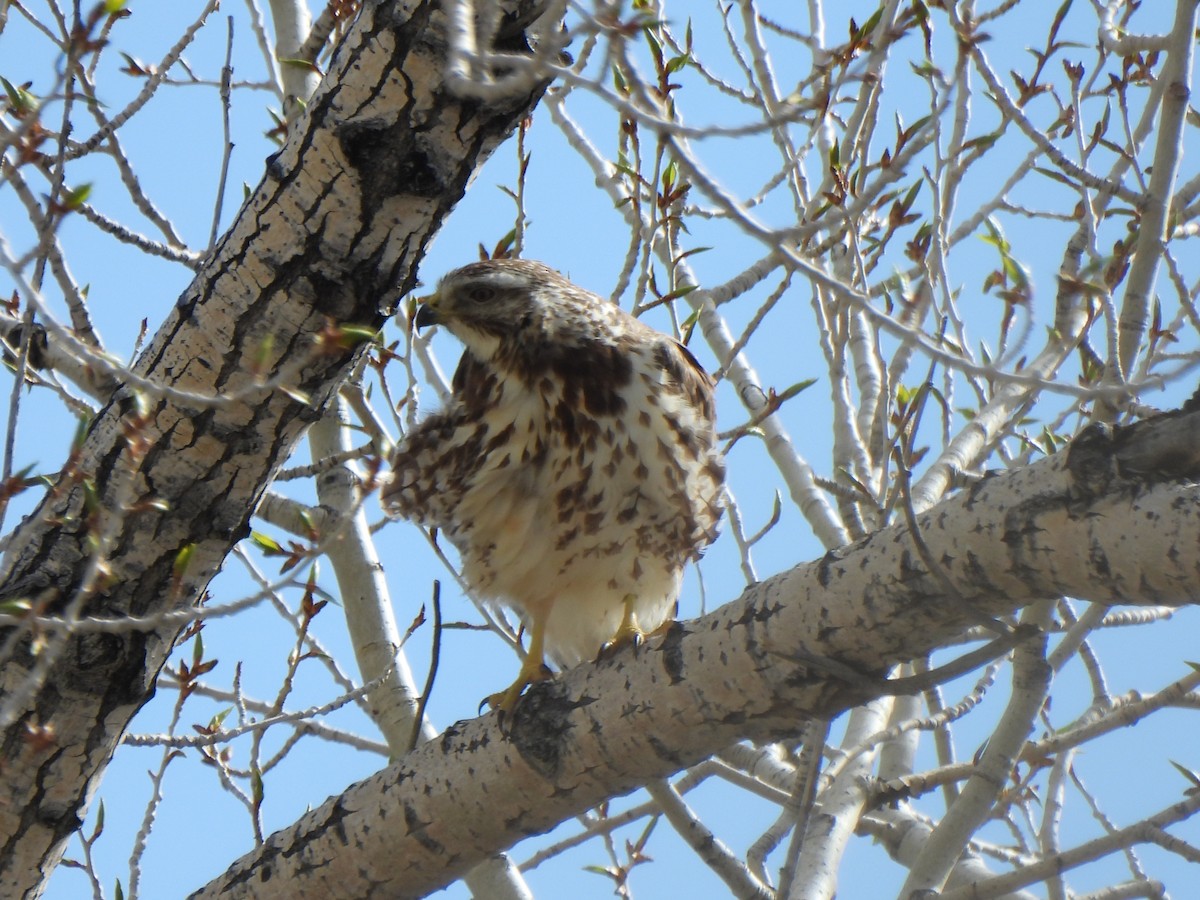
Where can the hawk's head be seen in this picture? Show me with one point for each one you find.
(493, 305)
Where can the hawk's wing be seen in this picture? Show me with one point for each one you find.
(686, 409)
(683, 376)
(685, 371)
(431, 465)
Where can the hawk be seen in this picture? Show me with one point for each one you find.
(574, 467)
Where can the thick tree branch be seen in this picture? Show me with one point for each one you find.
(333, 234)
(1083, 523)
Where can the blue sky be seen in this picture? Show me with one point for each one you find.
(175, 144)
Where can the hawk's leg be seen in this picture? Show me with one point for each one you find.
(533, 669)
(628, 632)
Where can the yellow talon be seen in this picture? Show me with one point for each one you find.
(533, 669)
(628, 632)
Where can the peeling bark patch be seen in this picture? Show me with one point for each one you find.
(417, 830)
(672, 652)
(910, 568)
(541, 727)
(974, 571)
(95, 650)
(1090, 460)
(803, 677)
(824, 574)
(975, 492)
(1099, 560)
(389, 159)
(331, 296)
(450, 745)
(275, 858)
(446, 741)
(827, 634)
(275, 170)
(754, 613)
(1161, 448)
(665, 752)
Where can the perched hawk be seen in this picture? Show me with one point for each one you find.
(574, 467)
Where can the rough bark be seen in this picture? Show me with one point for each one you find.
(1114, 519)
(332, 235)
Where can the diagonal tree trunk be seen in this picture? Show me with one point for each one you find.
(1113, 520)
(331, 236)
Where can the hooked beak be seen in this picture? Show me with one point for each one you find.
(426, 315)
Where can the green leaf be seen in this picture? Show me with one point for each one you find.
(654, 42)
(619, 81)
(91, 496)
(1056, 176)
(685, 254)
(300, 64)
(914, 128)
(318, 591)
(81, 430)
(1015, 275)
(182, 559)
(310, 527)
(266, 543)
(1188, 774)
(688, 325)
(22, 102)
(353, 335)
(1058, 19)
(675, 63)
(18, 606)
(262, 356)
(680, 292)
(99, 821)
(626, 169)
(215, 723)
(670, 174)
(983, 142)
(869, 25)
(298, 395)
(76, 197)
(256, 787)
(995, 236)
(506, 243)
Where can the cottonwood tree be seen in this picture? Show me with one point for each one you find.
(951, 234)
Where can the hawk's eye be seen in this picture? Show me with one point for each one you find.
(481, 293)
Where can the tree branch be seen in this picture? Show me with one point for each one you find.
(333, 233)
(1060, 526)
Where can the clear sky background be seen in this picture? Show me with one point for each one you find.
(175, 143)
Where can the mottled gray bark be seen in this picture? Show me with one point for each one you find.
(1114, 520)
(332, 235)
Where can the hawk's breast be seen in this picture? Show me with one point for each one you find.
(572, 476)
(585, 493)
